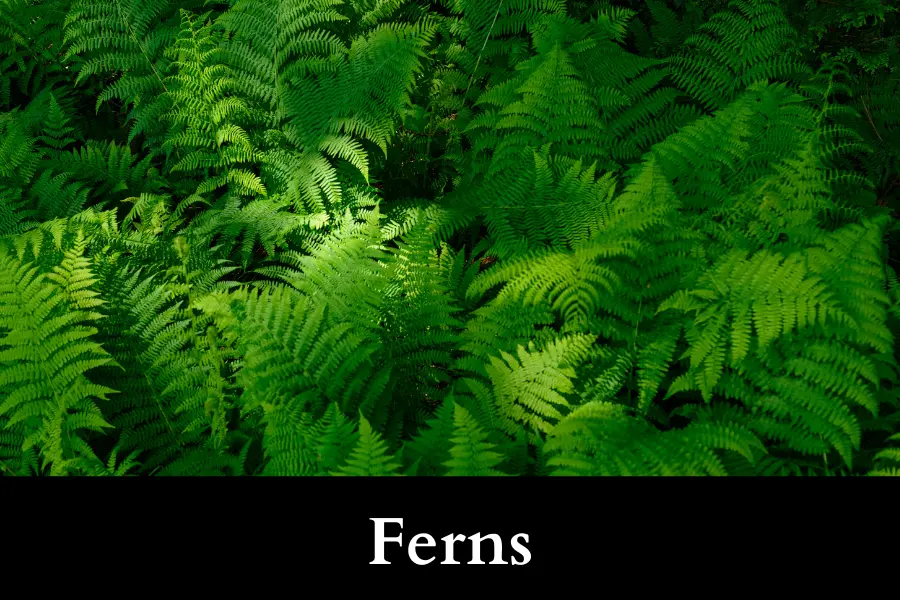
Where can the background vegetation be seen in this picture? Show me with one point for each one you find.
(456, 237)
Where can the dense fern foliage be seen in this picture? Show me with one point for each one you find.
(449, 237)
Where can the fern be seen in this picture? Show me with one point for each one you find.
(391, 237)
(46, 354)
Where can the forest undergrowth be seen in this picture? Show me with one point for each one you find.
(449, 237)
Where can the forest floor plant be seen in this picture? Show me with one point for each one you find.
(449, 237)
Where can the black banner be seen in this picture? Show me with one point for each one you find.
(613, 525)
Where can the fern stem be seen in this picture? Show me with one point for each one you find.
(486, 38)
(161, 411)
(139, 45)
(869, 116)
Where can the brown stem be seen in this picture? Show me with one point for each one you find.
(869, 116)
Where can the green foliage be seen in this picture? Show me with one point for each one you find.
(452, 238)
